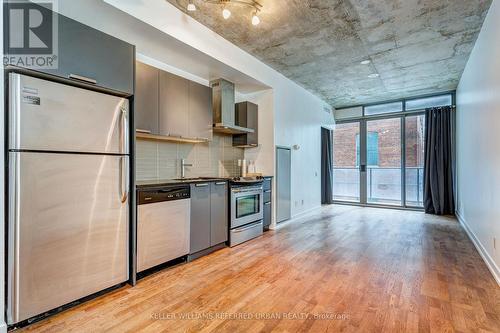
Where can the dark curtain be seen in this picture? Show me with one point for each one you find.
(326, 166)
(438, 179)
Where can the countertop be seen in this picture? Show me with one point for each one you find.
(145, 184)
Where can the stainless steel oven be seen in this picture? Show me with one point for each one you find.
(246, 205)
(247, 212)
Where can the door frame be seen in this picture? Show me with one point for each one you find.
(277, 147)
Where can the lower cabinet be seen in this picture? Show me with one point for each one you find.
(218, 213)
(268, 207)
(209, 219)
(200, 217)
(267, 214)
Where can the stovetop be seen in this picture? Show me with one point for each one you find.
(246, 180)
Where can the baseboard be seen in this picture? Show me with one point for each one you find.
(490, 263)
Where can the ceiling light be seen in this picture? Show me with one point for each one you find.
(226, 13)
(191, 7)
(254, 5)
(366, 62)
(255, 19)
(374, 75)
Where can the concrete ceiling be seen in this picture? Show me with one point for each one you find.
(417, 47)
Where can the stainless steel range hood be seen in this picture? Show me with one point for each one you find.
(224, 108)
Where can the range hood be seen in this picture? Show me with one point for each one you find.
(224, 108)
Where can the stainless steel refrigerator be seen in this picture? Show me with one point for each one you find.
(68, 190)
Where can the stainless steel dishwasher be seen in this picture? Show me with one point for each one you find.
(163, 225)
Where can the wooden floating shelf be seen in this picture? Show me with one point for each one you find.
(154, 137)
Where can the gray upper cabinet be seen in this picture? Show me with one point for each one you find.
(89, 53)
(200, 111)
(174, 105)
(147, 98)
(200, 217)
(169, 105)
(218, 214)
(247, 115)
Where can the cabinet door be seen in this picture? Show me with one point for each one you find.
(267, 214)
(146, 98)
(90, 53)
(174, 105)
(200, 217)
(218, 215)
(267, 184)
(200, 111)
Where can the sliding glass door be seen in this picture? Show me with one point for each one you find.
(383, 161)
(346, 175)
(380, 161)
(414, 161)
(379, 151)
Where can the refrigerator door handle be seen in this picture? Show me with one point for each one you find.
(123, 130)
(13, 241)
(124, 183)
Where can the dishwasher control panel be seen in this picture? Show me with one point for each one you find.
(163, 194)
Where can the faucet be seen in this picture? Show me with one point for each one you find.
(183, 167)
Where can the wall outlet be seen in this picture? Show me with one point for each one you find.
(302, 202)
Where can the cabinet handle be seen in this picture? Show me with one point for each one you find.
(268, 191)
(268, 203)
(221, 183)
(201, 185)
(82, 78)
(143, 131)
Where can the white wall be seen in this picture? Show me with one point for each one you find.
(478, 141)
(297, 114)
(264, 154)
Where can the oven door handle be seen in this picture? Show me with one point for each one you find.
(249, 193)
(246, 190)
(250, 226)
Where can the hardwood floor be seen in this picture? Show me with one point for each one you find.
(342, 269)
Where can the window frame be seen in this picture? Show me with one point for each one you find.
(363, 116)
(402, 115)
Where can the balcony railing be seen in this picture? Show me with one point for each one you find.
(383, 185)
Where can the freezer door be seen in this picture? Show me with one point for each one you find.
(68, 229)
(49, 116)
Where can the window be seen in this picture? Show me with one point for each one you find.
(428, 102)
(371, 149)
(383, 108)
(354, 112)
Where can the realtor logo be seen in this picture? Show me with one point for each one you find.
(31, 34)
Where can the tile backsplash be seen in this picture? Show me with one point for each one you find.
(161, 160)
